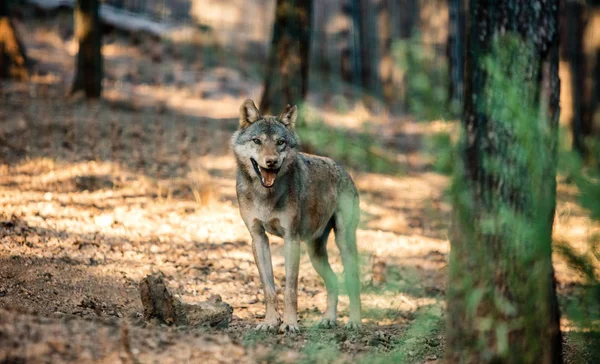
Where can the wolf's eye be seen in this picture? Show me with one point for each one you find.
(256, 141)
(280, 142)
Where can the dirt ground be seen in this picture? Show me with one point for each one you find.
(96, 195)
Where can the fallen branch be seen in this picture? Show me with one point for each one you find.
(115, 17)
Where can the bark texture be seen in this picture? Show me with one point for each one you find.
(286, 80)
(88, 76)
(456, 37)
(502, 304)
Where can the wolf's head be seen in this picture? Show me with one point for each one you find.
(264, 146)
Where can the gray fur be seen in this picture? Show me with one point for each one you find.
(311, 195)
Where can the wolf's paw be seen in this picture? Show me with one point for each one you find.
(326, 323)
(353, 325)
(289, 328)
(266, 327)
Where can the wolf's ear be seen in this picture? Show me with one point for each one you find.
(288, 116)
(248, 113)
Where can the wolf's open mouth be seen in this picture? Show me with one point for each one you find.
(267, 176)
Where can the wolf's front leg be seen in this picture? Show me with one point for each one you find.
(262, 257)
(290, 299)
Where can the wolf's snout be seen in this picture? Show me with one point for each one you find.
(271, 162)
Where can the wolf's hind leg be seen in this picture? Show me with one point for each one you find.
(317, 251)
(346, 222)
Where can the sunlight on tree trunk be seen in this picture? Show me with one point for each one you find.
(13, 61)
(502, 304)
(286, 76)
(88, 32)
(386, 65)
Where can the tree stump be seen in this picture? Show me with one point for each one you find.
(160, 304)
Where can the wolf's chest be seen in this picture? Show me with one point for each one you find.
(275, 221)
(274, 227)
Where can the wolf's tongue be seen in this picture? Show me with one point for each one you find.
(268, 176)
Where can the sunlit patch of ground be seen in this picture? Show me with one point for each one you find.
(78, 235)
(75, 232)
(94, 196)
(573, 226)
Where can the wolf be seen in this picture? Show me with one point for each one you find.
(298, 197)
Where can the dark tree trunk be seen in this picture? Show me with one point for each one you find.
(502, 304)
(356, 42)
(456, 52)
(408, 18)
(581, 123)
(13, 61)
(595, 97)
(88, 76)
(367, 34)
(386, 62)
(286, 79)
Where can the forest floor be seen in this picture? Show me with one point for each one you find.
(96, 195)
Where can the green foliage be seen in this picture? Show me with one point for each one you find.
(358, 150)
(413, 345)
(405, 280)
(442, 151)
(254, 337)
(426, 76)
(589, 193)
(322, 347)
(340, 104)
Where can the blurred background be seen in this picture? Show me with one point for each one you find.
(115, 124)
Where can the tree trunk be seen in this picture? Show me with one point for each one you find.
(286, 79)
(581, 122)
(356, 42)
(347, 44)
(367, 33)
(456, 52)
(13, 61)
(88, 76)
(595, 97)
(502, 304)
(386, 62)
